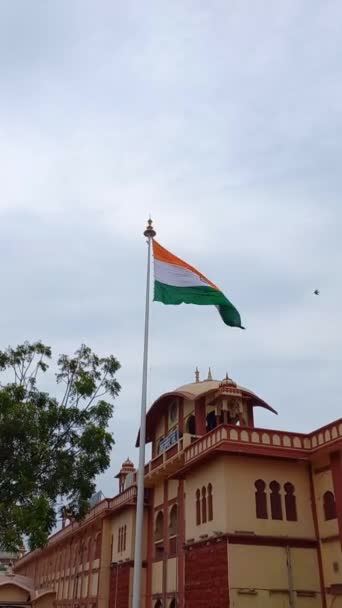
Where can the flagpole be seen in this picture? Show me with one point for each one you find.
(149, 233)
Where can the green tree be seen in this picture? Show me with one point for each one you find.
(51, 449)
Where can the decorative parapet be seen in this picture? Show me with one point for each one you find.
(103, 507)
(265, 438)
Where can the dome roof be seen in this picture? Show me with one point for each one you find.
(192, 392)
(196, 388)
(128, 464)
(126, 467)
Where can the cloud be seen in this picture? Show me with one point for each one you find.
(224, 123)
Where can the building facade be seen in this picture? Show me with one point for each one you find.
(18, 591)
(235, 515)
(8, 558)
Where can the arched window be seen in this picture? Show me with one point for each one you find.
(191, 425)
(124, 537)
(159, 528)
(211, 421)
(260, 499)
(75, 553)
(329, 506)
(158, 604)
(173, 603)
(204, 505)
(98, 546)
(290, 502)
(198, 507)
(276, 508)
(120, 540)
(85, 550)
(210, 502)
(173, 520)
(90, 549)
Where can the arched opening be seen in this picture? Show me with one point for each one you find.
(210, 502)
(158, 604)
(191, 425)
(122, 539)
(204, 505)
(90, 549)
(76, 551)
(276, 508)
(329, 506)
(98, 545)
(159, 527)
(173, 520)
(260, 499)
(86, 549)
(173, 603)
(290, 502)
(211, 421)
(198, 507)
(233, 419)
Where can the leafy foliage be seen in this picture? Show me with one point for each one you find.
(51, 449)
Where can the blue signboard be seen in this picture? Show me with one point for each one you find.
(168, 441)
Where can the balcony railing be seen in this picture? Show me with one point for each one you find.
(265, 438)
(165, 458)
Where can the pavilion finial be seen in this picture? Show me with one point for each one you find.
(209, 374)
(197, 375)
(150, 231)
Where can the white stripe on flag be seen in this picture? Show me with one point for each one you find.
(177, 276)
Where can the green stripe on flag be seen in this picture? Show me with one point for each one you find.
(201, 295)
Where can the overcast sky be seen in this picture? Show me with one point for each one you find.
(223, 120)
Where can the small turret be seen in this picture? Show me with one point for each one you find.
(230, 403)
(127, 467)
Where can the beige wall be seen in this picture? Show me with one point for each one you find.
(188, 408)
(334, 601)
(46, 601)
(233, 478)
(266, 581)
(172, 574)
(94, 583)
(158, 497)
(238, 493)
(172, 489)
(322, 483)
(212, 472)
(332, 554)
(12, 593)
(264, 599)
(267, 572)
(331, 551)
(305, 572)
(157, 577)
(125, 518)
(85, 585)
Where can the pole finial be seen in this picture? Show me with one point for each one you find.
(150, 231)
(197, 376)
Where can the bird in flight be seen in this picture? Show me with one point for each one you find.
(316, 292)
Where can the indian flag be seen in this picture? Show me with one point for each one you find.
(176, 282)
